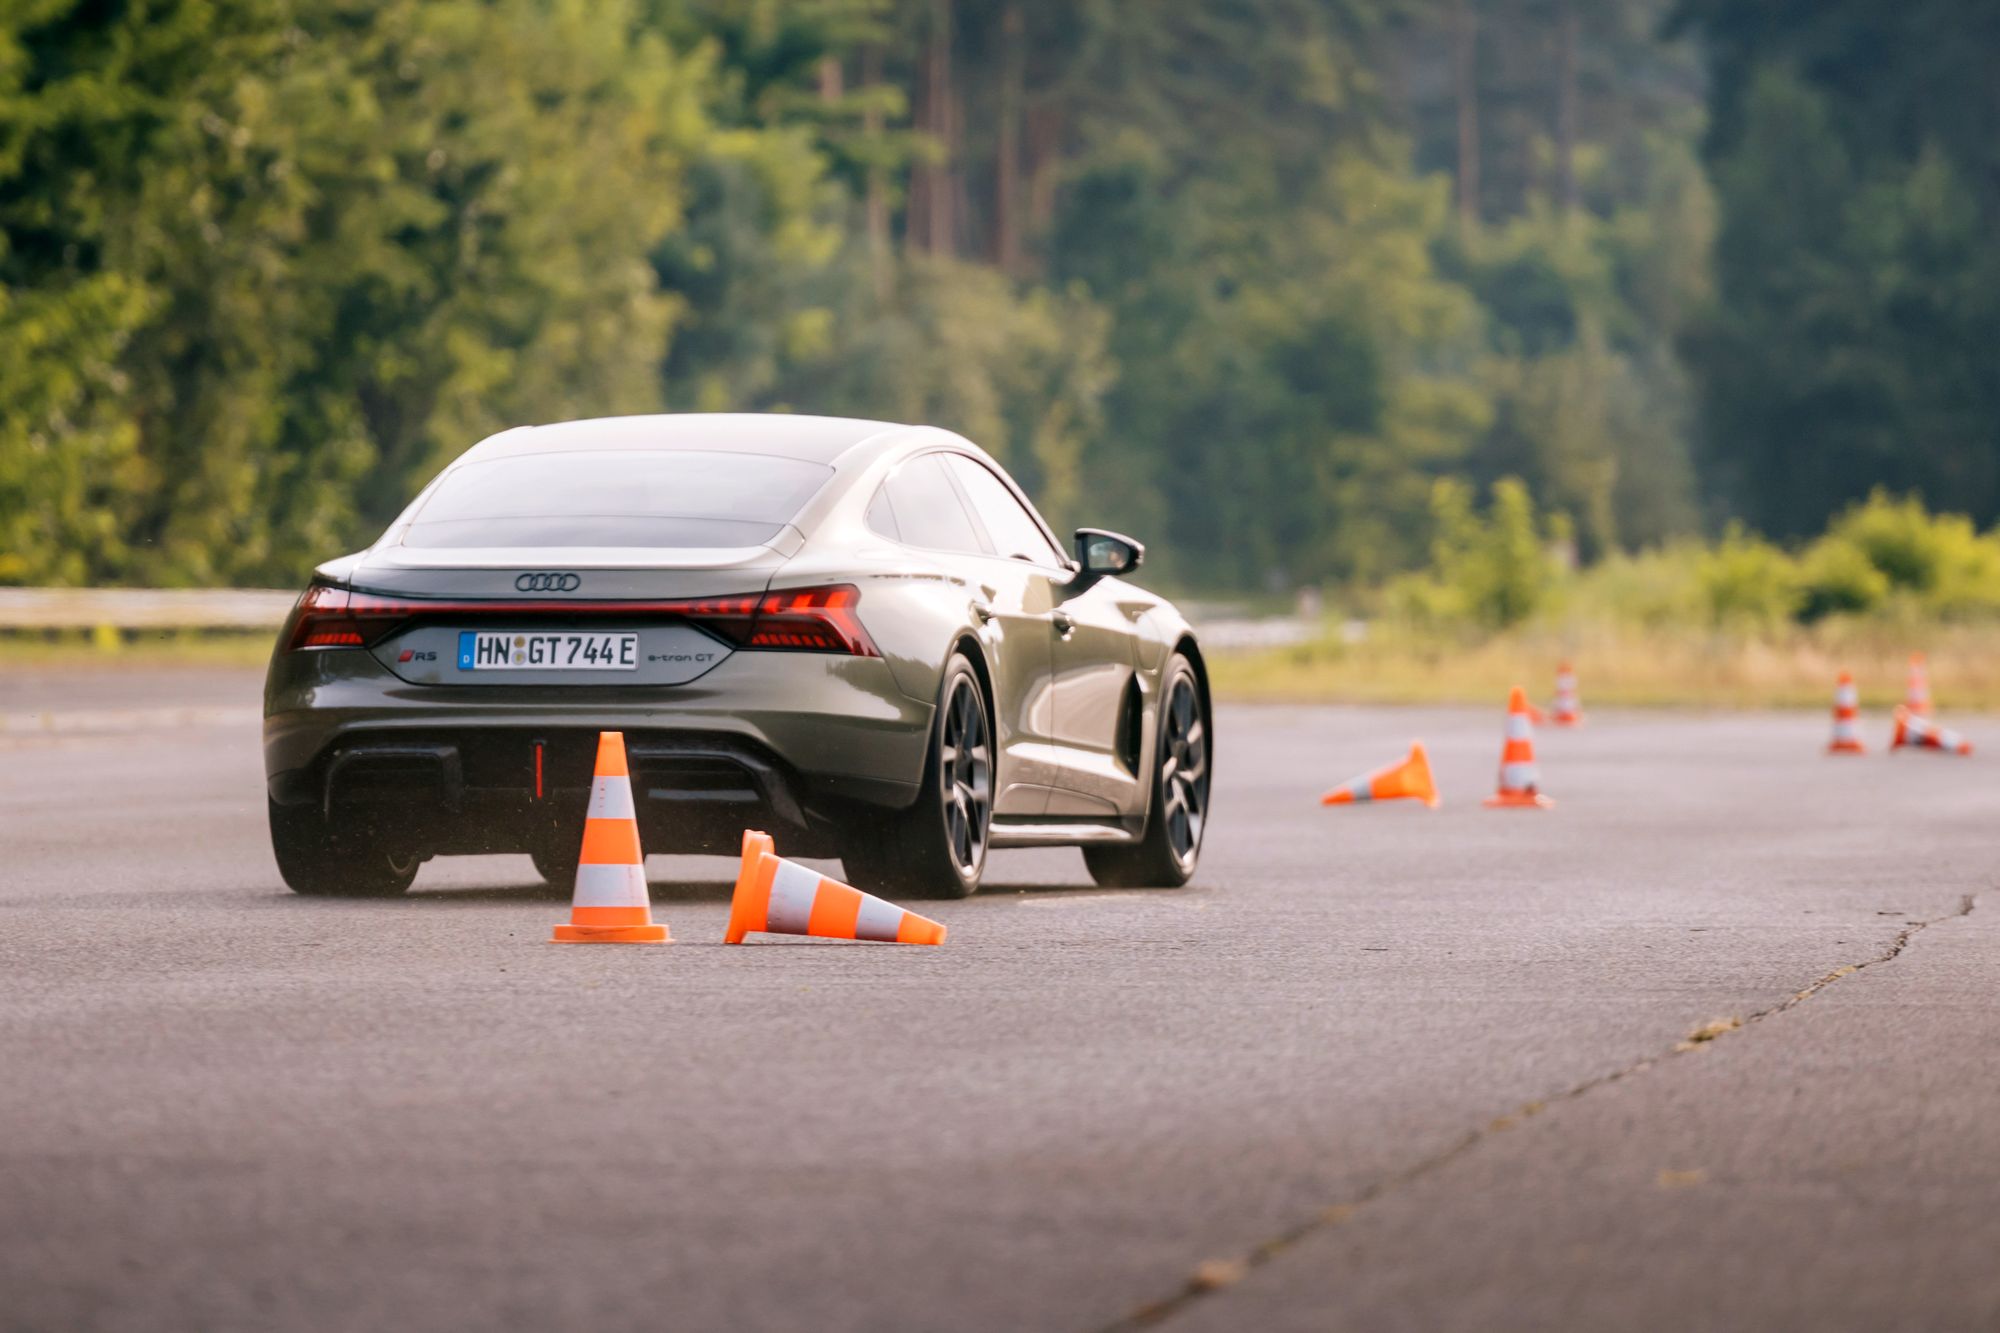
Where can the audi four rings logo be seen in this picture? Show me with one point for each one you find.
(549, 582)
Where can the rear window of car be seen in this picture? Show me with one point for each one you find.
(625, 498)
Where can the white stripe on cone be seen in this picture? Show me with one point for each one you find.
(793, 889)
(611, 798)
(610, 886)
(878, 920)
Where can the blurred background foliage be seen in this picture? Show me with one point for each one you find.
(1428, 302)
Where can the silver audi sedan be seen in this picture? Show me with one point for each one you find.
(856, 635)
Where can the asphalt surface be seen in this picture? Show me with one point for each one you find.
(1378, 1068)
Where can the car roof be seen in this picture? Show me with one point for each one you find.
(811, 439)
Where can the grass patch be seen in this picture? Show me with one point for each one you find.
(1618, 665)
(135, 650)
(1781, 668)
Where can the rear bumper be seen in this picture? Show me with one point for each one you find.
(787, 741)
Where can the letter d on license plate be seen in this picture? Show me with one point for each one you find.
(487, 650)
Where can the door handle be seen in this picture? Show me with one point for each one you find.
(1065, 623)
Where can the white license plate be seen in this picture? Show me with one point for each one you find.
(482, 650)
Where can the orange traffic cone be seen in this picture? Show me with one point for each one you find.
(1520, 781)
(1409, 778)
(1917, 694)
(1921, 733)
(610, 906)
(785, 898)
(1567, 711)
(1846, 713)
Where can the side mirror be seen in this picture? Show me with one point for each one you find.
(1104, 555)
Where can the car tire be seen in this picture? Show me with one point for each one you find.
(1177, 816)
(315, 861)
(556, 868)
(937, 847)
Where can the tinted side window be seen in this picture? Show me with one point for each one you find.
(928, 512)
(1013, 529)
(882, 515)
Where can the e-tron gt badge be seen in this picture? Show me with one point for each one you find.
(551, 582)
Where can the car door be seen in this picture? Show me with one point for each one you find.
(1012, 603)
(1091, 655)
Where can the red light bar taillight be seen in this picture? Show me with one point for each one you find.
(799, 620)
(330, 617)
(324, 618)
(814, 620)
(810, 620)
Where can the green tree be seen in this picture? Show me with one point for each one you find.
(1858, 289)
(327, 247)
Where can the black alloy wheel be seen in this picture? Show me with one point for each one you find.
(965, 776)
(1167, 851)
(1184, 771)
(937, 847)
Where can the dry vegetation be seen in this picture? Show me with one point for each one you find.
(1619, 665)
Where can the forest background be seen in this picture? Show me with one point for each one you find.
(1472, 316)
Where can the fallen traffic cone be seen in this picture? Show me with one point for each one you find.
(1520, 781)
(1846, 712)
(1921, 733)
(1917, 694)
(610, 905)
(785, 898)
(1410, 778)
(1567, 710)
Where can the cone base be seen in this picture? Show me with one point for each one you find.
(1847, 747)
(653, 934)
(1518, 800)
(1561, 721)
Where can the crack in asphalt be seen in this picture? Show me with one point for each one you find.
(1217, 1275)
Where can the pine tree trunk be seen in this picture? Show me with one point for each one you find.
(1044, 140)
(1566, 35)
(1465, 79)
(941, 182)
(876, 199)
(1007, 150)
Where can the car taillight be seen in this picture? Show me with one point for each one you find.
(329, 617)
(803, 620)
(809, 620)
(815, 620)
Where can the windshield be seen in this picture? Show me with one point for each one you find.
(623, 498)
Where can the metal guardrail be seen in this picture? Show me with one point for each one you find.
(264, 609)
(144, 608)
(1238, 636)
